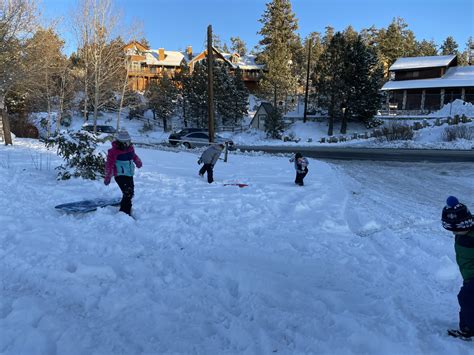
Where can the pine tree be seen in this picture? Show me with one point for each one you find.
(364, 75)
(396, 41)
(238, 46)
(162, 99)
(274, 124)
(278, 44)
(463, 58)
(239, 101)
(196, 91)
(449, 46)
(330, 79)
(426, 48)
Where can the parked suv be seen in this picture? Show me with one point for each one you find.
(175, 137)
(200, 139)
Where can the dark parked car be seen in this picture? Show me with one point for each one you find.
(100, 128)
(175, 137)
(104, 132)
(200, 139)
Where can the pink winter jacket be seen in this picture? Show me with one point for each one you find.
(115, 154)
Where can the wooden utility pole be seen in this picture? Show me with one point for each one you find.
(310, 44)
(210, 85)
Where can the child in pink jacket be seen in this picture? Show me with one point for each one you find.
(121, 161)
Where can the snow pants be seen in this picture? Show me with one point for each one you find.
(126, 185)
(209, 168)
(466, 302)
(299, 177)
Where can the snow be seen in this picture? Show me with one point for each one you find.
(351, 263)
(454, 77)
(457, 107)
(172, 58)
(422, 62)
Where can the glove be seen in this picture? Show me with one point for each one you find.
(106, 180)
(199, 161)
(139, 164)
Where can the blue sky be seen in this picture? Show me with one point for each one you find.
(175, 24)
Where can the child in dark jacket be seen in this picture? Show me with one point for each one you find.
(457, 219)
(301, 167)
(120, 164)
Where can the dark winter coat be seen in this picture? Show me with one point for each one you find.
(464, 247)
(301, 164)
(211, 154)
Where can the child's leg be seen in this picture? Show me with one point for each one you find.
(202, 170)
(126, 185)
(466, 302)
(210, 174)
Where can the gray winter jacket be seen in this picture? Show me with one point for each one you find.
(211, 154)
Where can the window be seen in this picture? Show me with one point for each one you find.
(199, 135)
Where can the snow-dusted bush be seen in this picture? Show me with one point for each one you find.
(457, 132)
(79, 152)
(397, 132)
(374, 122)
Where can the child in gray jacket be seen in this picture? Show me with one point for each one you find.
(301, 167)
(209, 157)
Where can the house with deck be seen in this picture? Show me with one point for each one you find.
(251, 71)
(146, 65)
(420, 85)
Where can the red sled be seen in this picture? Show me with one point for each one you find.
(236, 184)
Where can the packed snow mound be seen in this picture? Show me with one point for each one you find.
(457, 107)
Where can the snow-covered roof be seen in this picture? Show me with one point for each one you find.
(246, 62)
(172, 58)
(454, 77)
(422, 62)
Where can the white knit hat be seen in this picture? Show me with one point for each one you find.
(123, 136)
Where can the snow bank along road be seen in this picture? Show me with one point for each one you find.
(354, 262)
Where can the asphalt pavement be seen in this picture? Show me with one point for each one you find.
(373, 154)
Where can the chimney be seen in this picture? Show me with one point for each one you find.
(189, 52)
(161, 52)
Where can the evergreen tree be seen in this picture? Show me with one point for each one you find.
(196, 92)
(238, 46)
(449, 46)
(328, 35)
(80, 155)
(396, 41)
(330, 79)
(274, 124)
(364, 75)
(426, 48)
(463, 58)
(162, 99)
(239, 101)
(370, 35)
(278, 44)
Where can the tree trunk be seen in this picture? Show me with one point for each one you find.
(7, 136)
(344, 121)
(331, 120)
(165, 125)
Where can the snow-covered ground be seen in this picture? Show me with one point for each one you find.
(355, 262)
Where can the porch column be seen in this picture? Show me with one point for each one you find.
(423, 97)
(442, 98)
(404, 102)
(463, 93)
